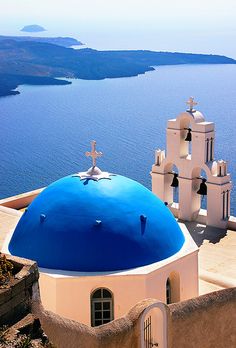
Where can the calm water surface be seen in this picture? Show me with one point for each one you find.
(46, 130)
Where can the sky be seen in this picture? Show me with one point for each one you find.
(203, 26)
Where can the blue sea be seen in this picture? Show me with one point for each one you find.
(46, 130)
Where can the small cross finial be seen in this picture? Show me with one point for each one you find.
(93, 153)
(191, 104)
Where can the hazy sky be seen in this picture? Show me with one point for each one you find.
(166, 12)
(175, 25)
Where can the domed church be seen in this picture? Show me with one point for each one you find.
(103, 242)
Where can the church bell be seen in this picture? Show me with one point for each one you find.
(189, 135)
(203, 188)
(175, 181)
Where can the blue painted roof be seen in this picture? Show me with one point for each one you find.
(104, 225)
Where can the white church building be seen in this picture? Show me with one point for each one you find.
(103, 242)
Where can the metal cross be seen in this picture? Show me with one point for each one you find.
(191, 103)
(93, 153)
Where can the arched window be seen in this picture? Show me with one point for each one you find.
(101, 307)
(168, 291)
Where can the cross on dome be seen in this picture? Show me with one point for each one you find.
(93, 153)
(94, 172)
(191, 104)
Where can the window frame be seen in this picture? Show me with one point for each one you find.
(101, 300)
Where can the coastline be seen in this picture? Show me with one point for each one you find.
(49, 62)
(13, 82)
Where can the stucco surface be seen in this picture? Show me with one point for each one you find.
(124, 332)
(208, 321)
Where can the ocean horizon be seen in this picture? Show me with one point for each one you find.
(46, 130)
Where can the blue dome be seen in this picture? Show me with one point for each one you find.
(92, 226)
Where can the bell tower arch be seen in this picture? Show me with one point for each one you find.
(190, 146)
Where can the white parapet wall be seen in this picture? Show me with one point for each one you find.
(20, 201)
(201, 218)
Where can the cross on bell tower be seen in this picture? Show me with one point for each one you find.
(93, 153)
(191, 104)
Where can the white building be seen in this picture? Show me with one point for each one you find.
(103, 242)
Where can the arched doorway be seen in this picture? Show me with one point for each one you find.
(154, 326)
(173, 288)
(101, 307)
(168, 291)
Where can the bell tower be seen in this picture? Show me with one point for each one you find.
(190, 148)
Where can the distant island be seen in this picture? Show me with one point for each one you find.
(33, 61)
(33, 28)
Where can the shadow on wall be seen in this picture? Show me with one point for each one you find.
(200, 233)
